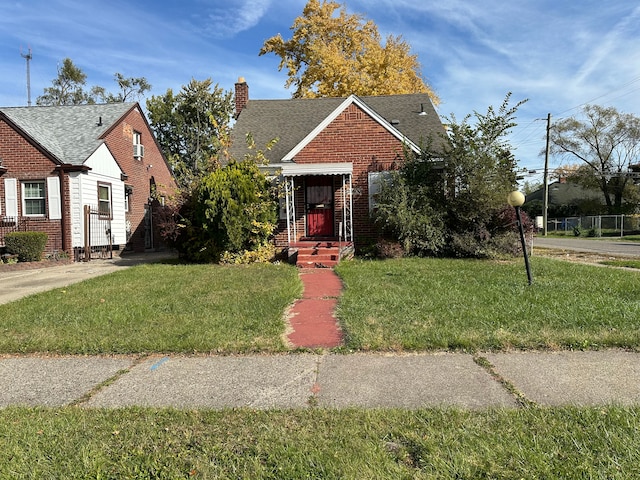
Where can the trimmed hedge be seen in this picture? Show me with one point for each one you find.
(29, 246)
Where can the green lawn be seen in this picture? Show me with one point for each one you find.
(157, 308)
(76, 443)
(431, 304)
(393, 305)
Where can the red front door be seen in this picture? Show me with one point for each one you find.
(319, 206)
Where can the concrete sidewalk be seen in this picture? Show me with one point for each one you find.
(325, 380)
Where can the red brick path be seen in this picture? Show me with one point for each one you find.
(312, 319)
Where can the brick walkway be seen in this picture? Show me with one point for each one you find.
(312, 320)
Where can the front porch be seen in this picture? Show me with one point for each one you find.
(317, 208)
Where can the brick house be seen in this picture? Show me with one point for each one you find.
(330, 154)
(87, 175)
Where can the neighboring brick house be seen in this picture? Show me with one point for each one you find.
(331, 154)
(57, 160)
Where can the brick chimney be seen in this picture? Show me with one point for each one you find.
(242, 95)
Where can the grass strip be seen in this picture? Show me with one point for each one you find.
(626, 263)
(75, 443)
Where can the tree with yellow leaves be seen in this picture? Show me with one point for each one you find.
(337, 55)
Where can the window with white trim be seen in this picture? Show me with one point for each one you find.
(376, 179)
(33, 199)
(104, 200)
(138, 148)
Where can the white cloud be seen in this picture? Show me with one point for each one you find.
(230, 20)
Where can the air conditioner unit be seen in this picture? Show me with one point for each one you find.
(138, 151)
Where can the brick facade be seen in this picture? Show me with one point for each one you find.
(144, 175)
(353, 137)
(23, 161)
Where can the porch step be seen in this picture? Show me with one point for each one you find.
(317, 254)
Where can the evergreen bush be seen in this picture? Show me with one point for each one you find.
(28, 246)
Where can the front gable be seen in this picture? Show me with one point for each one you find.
(350, 112)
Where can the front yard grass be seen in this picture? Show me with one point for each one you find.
(395, 305)
(77, 443)
(156, 308)
(440, 304)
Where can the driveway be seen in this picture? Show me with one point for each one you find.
(618, 248)
(20, 283)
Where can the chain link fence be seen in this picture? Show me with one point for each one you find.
(594, 226)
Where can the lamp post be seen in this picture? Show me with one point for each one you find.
(516, 200)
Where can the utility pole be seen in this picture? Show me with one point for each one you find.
(545, 200)
(28, 57)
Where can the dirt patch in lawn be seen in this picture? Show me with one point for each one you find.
(579, 257)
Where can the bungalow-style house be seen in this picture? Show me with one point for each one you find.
(87, 175)
(330, 155)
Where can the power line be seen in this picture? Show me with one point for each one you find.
(631, 82)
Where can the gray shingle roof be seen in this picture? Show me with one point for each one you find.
(291, 120)
(568, 193)
(70, 132)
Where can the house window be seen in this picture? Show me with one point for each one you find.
(138, 148)
(104, 200)
(376, 180)
(33, 199)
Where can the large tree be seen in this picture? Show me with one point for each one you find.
(192, 127)
(68, 88)
(131, 88)
(607, 142)
(333, 55)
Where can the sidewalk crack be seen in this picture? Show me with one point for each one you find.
(520, 398)
(109, 381)
(315, 388)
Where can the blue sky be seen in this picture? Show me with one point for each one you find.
(559, 54)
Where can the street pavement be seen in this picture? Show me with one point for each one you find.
(612, 247)
(304, 380)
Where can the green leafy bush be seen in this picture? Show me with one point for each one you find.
(263, 254)
(450, 199)
(230, 211)
(29, 246)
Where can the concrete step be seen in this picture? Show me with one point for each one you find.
(316, 263)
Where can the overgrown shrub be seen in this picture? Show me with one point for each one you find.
(389, 249)
(450, 199)
(231, 211)
(29, 246)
